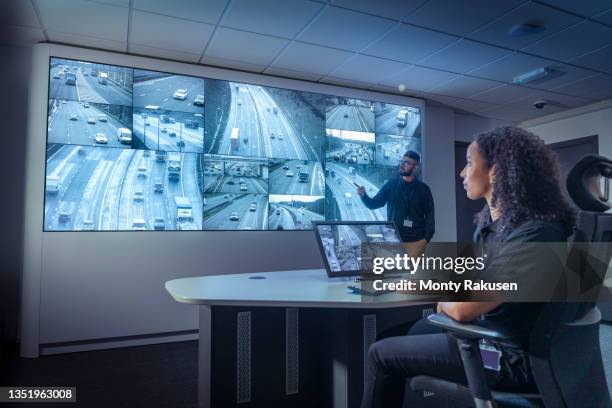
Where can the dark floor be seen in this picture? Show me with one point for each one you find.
(162, 375)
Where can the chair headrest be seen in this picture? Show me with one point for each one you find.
(588, 183)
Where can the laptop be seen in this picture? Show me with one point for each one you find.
(340, 243)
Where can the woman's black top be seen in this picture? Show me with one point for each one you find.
(517, 255)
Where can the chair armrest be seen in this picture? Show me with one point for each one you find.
(480, 329)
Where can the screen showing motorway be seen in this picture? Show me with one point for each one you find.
(134, 150)
(341, 243)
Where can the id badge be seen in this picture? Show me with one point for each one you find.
(408, 223)
(491, 356)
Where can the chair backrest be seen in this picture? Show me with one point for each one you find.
(564, 348)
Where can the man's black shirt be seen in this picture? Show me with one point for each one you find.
(406, 201)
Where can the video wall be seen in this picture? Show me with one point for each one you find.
(132, 149)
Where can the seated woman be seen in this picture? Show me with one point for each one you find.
(518, 175)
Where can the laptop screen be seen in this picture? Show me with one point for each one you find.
(340, 243)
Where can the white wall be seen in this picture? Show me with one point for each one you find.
(438, 167)
(581, 122)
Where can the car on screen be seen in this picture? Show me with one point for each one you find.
(231, 182)
(180, 143)
(234, 217)
(180, 94)
(100, 138)
(278, 211)
(73, 117)
(199, 100)
(91, 121)
(88, 225)
(243, 187)
(139, 224)
(289, 173)
(346, 115)
(286, 167)
(253, 208)
(142, 172)
(164, 129)
(124, 135)
(159, 224)
(86, 105)
(172, 134)
(158, 187)
(64, 217)
(138, 196)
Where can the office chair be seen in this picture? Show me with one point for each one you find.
(564, 351)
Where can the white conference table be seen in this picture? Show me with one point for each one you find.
(309, 288)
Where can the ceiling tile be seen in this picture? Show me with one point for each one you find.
(310, 58)
(289, 73)
(419, 78)
(507, 68)
(330, 29)
(86, 41)
(473, 106)
(464, 56)
(409, 44)
(233, 64)
(595, 87)
(505, 94)
(561, 74)
(554, 98)
(600, 60)
(442, 14)
(573, 41)
(497, 31)
(169, 33)
(18, 35)
(162, 53)
(18, 13)
(393, 9)
(84, 18)
(584, 8)
(281, 18)
(368, 69)
(345, 82)
(462, 87)
(604, 17)
(206, 11)
(249, 48)
(447, 100)
(520, 113)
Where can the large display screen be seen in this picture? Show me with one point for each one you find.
(132, 149)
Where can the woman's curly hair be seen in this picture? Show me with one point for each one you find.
(526, 185)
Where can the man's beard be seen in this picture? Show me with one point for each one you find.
(406, 173)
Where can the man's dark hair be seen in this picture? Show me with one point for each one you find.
(526, 185)
(413, 155)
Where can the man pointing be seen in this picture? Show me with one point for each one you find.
(409, 204)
